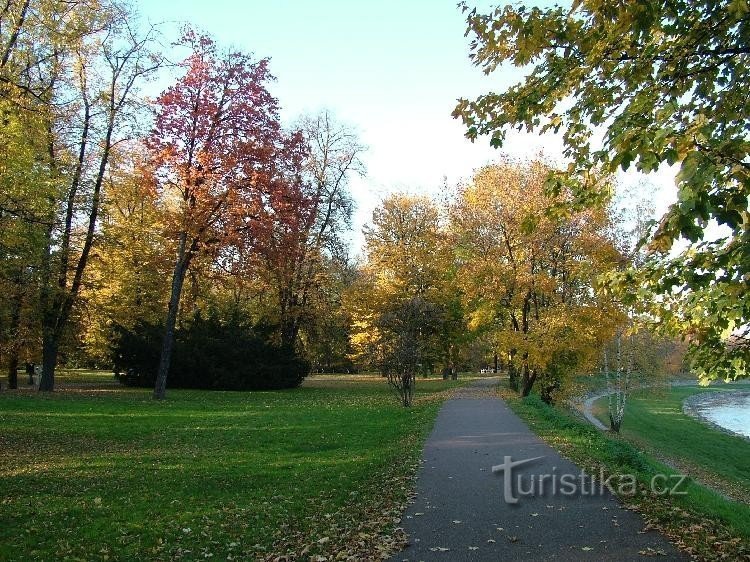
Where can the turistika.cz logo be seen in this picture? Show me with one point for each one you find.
(552, 483)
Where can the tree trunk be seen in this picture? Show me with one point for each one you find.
(13, 369)
(178, 278)
(50, 346)
(527, 386)
(513, 376)
(614, 425)
(15, 325)
(408, 389)
(494, 368)
(528, 378)
(289, 331)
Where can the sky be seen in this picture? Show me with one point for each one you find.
(390, 69)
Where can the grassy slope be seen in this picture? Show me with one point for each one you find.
(702, 522)
(655, 422)
(112, 474)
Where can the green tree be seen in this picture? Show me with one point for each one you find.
(24, 206)
(70, 70)
(665, 82)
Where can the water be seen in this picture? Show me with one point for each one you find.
(731, 412)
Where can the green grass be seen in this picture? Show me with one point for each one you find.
(654, 421)
(702, 522)
(109, 474)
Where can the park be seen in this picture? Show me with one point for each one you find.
(374, 281)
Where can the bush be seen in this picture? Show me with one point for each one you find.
(208, 354)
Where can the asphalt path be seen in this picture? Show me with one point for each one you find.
(465, 511)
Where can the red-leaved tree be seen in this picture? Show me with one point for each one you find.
(214, 148)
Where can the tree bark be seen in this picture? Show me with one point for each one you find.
(513, 375)
(165, 360)
(494, 368)
(15, 325)
(528, 378)
(49, 360)
(13, 370)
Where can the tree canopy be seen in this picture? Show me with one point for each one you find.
(647, 84)
(529, 276)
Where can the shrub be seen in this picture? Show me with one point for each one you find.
(208, 354)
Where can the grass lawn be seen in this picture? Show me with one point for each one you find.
(108, 474)
(654, 421)
(701, 522)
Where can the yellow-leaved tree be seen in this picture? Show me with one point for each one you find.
(129, 272)
(528, 267)
(405, 308)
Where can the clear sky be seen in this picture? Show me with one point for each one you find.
(392, 69)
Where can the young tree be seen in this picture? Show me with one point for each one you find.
(665, 82)
(618, 382)
(406, 329)
(213, 148)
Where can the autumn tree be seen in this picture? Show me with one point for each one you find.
(72, 69)
(664, 82)
(24, 210)
(529, 274)
(126, 277)
(214, 149)
(408, 257)
(300, 241)
(26, 190)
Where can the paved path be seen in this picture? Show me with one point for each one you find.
(588, 409)
(460, 514)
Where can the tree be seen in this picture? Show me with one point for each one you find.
(408, 256)
(211, 353)
(529, 274)
(326, 335)
(406, 329)
(665, 82)
(23, 208)
(126, 277)
(213, 147)
(302, 240)
(618, 382)
(73, 69)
